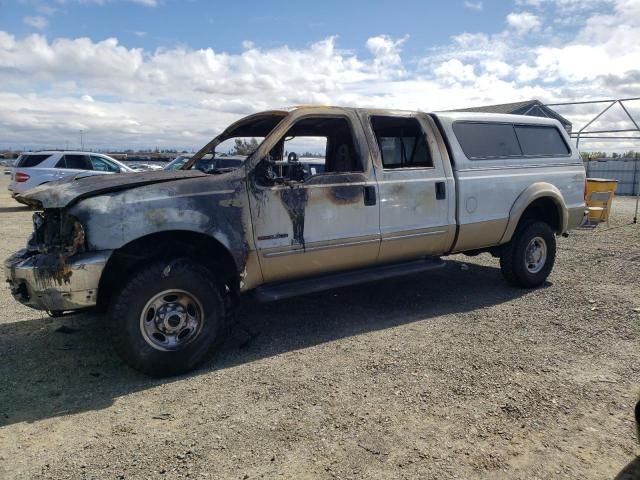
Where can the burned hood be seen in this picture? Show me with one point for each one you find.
(65, 192)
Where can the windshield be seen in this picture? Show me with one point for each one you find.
(242, 138)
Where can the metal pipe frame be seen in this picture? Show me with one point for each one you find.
(594, 134)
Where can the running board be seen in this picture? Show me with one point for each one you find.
(279, 291)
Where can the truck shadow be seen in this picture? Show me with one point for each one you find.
(51, 367)
(17, 208)
(631, 471)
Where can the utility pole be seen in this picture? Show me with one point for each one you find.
(81, 141)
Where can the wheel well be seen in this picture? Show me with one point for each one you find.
(167, 245)
(545, 210)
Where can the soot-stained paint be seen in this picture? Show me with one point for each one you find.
(295, 200)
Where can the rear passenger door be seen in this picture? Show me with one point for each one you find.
(417, 196)
(72, 164)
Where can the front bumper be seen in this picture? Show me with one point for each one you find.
(44, 282)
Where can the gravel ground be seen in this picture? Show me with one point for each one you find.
(450, 374)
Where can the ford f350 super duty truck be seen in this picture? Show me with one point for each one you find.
(167, 254)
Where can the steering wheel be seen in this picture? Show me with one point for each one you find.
(292, 157)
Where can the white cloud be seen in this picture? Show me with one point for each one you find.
(497, 67)
(455, 71)
(471, 5)
(525, 73)
(146, 3)
(567, 6)
(523, 22)
(386, 51)
(37, 22)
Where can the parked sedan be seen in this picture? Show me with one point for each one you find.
(206, 163)
(7, 166)
(145, 167)
(35, 168)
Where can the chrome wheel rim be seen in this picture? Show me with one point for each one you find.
(171, 320)
(535, 256)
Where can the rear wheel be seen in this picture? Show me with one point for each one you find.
(527, 260)
(167, 318)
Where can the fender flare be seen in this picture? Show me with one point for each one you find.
(532, 193)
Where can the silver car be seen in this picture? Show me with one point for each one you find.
(36, 168)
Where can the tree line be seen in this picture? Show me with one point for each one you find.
(596, 155)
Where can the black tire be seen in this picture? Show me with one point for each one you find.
(513, 258)
(127, 326)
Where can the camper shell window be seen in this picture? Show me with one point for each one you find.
(490, 140)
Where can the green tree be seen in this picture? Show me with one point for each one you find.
(244, 147)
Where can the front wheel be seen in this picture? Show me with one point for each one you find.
(167, 317)
(527, 260)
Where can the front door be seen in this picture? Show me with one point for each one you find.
(415, 184)
(314, 200)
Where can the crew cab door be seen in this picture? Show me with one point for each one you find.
(72, 164)
(310, 220)
(415, 185)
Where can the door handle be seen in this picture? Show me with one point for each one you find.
(369, 195)
(441, 191)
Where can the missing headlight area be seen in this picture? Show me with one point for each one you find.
(57, 236)
(54, 231)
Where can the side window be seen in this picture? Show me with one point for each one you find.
(487, 140)
(31, 160)
(74, 162)
(541, 140)
(101, 165)
(402, 142)
(318, 145)
(305, 147)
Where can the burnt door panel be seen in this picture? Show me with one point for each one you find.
(316, 227)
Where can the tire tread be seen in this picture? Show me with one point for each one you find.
(127, 295)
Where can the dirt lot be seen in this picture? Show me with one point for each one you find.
(450, 374)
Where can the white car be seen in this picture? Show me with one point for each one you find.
(35, 168)
(7, 166)
(145, 167)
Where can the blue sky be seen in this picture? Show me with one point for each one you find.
(144, 73)
(221, 25)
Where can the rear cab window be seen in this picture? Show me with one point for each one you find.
(402, 142)
(31, 160)
(491, 140)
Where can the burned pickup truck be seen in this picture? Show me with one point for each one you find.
(168, 254)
